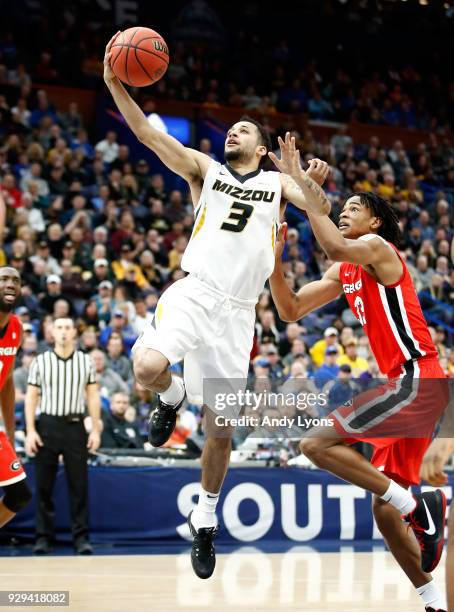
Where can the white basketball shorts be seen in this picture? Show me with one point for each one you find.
(211, 331)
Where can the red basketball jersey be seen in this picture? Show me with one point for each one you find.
(390, 315)
(9, 345)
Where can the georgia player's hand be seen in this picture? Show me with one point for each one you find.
(32, 442)
(280, 240)
(318, 171)
(435, 460)
(109, 75)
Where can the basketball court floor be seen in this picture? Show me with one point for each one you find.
(246, 579)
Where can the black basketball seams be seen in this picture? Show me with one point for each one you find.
(126, 66)
(142, 66)
(145, 51)
(127, 56)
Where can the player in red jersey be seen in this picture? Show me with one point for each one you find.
(398, 417)
(12, 475)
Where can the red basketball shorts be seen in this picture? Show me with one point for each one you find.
(398, 417)
(11, 469)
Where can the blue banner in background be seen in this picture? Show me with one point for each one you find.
(150, 505)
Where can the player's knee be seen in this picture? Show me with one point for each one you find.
(311, 448)
(379, 507)
(17, 496)
(146, 368)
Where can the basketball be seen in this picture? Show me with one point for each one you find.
(140, 57)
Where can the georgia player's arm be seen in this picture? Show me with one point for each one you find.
(188, 163)
(293, 306)
(8, 395)
(7, 399)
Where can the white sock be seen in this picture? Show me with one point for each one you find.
(432, 596)
(204, 514)
(400, 498)
(174, 392)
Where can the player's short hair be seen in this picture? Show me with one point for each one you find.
(265, 139)
(389, 229)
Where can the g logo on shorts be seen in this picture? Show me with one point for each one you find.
(15, 465)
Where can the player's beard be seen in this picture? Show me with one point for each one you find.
(4, 307)
(234, 155)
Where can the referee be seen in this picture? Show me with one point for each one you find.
(58, 381)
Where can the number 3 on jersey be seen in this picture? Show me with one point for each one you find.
(239, 213)
(359, 305)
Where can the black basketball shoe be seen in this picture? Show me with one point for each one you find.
(428, 523)
(429, 609)
(162, 422)
(203, 556)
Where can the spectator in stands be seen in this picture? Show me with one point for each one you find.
(142, 317)
(266, 329)
(292, 332)
(88, 340)
(342, 389)
(20, 375)
(117, 431)
(119, 325)
(43, 253)
(205, 147)
(125, 264)
(318, 350)
(357, 364)
(329, 368)
(108, 148)
(117, 360)
(53, 294)
(109, 382)
(276, 369)
(423, 273)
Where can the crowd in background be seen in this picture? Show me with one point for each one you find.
(97, 237)
(284, 66)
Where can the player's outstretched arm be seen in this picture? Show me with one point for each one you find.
(292, 306)
(298, 186)
(188, 163)
(367, 250)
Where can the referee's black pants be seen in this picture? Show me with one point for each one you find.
(61, 436)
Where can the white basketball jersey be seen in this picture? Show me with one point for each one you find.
(232, 243)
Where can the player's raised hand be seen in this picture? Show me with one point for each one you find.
(318, 171)
(108, 72)
(280, 240)
(289, 163)
(432, 468)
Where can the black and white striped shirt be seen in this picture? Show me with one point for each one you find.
(62, 382)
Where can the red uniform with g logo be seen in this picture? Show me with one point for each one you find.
(11, 470)
(397, 417)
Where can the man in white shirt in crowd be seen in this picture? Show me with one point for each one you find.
(108, 147)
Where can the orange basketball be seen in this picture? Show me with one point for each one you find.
(140, 57)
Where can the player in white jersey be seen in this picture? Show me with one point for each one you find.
(207, 319)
